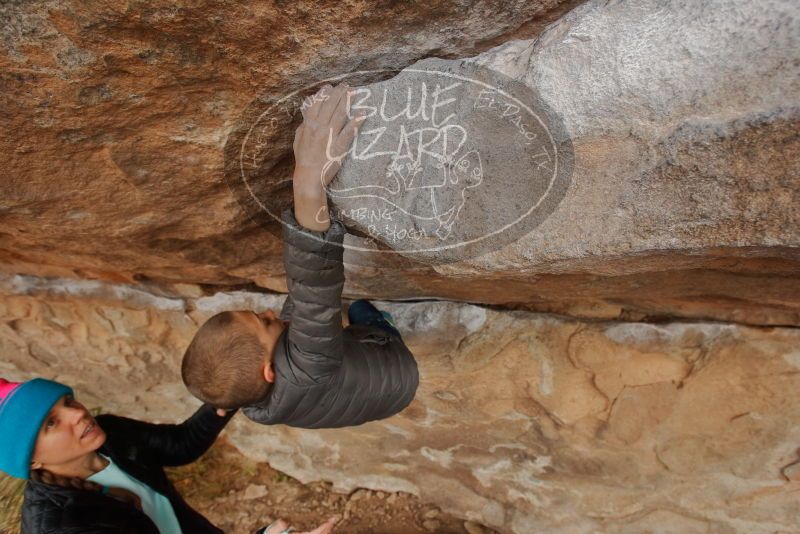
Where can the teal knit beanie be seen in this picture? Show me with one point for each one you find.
(23, 408)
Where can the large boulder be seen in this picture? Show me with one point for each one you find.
(678, 121)
(684, 124)
(682, 117)
(523, 422)
(662, 177)
(115, 116)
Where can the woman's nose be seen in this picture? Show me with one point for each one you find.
(75, 415)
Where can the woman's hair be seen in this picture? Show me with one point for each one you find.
(224, 363)
(44, 476)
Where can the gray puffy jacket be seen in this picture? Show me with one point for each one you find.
(327, 376)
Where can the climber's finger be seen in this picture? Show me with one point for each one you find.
(297, 135)
(350, 131)
(340, 115)
(332, 103)
(313, 103)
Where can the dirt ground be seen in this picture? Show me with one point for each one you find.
(241, 496)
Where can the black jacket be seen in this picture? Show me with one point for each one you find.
(141, 450)
(327, 376)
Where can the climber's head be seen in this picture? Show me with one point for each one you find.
(44, 427)
(229, 362)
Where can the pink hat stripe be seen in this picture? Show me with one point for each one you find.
(7, 387)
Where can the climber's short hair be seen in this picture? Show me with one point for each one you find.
(224, 364)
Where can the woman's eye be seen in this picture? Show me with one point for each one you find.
(50, 423)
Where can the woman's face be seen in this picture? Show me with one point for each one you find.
(66, 436)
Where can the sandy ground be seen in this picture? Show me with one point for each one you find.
(240, 496)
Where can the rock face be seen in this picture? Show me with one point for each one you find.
(115, 118)
(682, 122)
(660, 396)
(682, 117)
(523, 422)
(678, 148)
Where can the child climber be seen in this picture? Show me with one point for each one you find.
(303, 369)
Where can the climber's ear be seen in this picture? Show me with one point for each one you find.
(269, 374)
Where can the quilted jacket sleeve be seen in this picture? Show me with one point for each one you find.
(166, 444)
(315, 278)
(287, 309)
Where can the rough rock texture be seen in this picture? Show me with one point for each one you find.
(523, 422)
(115, 117)
(683, 117)
(684, 120)
(649, 410)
